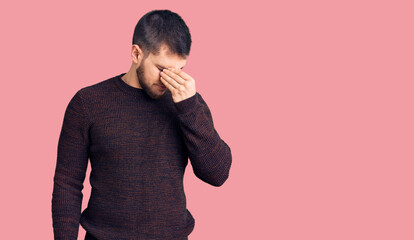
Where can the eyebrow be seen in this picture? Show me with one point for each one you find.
(165, 67)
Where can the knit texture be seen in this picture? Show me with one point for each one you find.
(138, 148)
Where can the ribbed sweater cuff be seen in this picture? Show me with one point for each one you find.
(187, 105)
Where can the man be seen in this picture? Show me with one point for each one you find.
(138, 129)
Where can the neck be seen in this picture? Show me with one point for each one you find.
(131, 78)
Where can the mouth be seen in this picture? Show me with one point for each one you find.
(162, 86)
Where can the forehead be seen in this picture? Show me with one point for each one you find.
(165, 59)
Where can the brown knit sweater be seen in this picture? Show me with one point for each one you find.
(139, 149)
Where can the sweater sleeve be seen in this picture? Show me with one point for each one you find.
(210, 156)
(71, 165)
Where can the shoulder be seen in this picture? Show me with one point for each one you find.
(97, 91)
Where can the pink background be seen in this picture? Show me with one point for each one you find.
(315, 99)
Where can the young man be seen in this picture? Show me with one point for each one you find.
(138, 129)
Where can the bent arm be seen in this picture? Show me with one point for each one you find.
(210, 156)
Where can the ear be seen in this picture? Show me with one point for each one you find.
(137, 54)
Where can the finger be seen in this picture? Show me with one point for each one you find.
(167, 84)
(174, 76)
(181, 73)
(170, 80)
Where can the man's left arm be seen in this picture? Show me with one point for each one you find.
(210, 156)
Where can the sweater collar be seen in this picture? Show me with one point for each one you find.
(126, 87)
